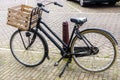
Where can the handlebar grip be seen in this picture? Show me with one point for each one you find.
(44, 10)
(55, 3)
(40, 5)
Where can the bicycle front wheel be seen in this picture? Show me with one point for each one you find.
(28, 47)
(102, 42)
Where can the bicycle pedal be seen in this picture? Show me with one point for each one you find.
(56, 64)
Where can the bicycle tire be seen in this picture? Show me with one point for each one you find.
(35, 54)
(107, 50)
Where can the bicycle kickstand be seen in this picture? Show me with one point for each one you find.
(56, 64)
(69, 61)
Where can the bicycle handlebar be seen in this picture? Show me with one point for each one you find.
(43, 9)
(40, 5)
(55, 3)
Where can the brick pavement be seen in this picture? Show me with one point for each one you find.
(10, 69)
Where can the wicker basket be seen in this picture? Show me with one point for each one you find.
(22, 17)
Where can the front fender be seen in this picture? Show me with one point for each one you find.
(44, 43)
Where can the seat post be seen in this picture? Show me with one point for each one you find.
(72, 34)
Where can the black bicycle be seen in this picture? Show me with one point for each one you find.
(93, 50)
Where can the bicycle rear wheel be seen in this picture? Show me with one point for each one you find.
(102, 42)
(28, 47)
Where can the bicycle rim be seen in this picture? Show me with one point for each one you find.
(103, 59)
(32, 56)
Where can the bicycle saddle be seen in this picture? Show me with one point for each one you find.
(78, 20)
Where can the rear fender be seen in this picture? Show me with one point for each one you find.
(106, 33)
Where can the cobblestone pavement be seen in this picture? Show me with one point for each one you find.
(10, 69)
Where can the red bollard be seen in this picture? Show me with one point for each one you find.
(65, 35)
(65, 32)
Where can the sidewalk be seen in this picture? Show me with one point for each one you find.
(10, 69)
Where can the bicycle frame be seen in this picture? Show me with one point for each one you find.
(66, 46)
